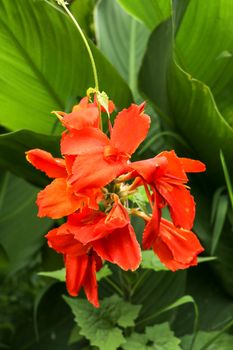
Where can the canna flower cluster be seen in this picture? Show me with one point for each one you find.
(92, 182)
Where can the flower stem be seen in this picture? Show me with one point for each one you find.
(63, 4)
(114, 286)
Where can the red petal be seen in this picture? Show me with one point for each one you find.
(44, 161)
(90, 283)
(130, 129)
(83, 141)
(65, 243)
(174, 169)
(181, 204)
(192, 166)
(83, 224)
(58, 200)
(120, 247)
(90, 225)
(148, 169)
(69, 163)
(93, 170)
(151, 230)
(176, 248)
(81, 118)
(76, 269)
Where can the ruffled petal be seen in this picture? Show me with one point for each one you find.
(83, 224)
(44, 161)
(181, 204)
(176, 248)
(130, 129)
(76, 270)
(83, 141)
(81, 118)
(90, 283)
(93, 170)
(148, 169)
(58, 200)
(192, 166)
(174, 169)
(120, 247)
(65, 243)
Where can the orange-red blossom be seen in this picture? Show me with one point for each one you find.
(89, 176)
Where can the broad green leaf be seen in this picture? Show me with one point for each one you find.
(45, 66)
(220, 218)
(157, 290)
(158, 337)
(185, 79)
(13, 146)
(214, 305)
(21, 232)
(83, 12)
(60, 275)
(227, 178)
(121, 38)
(151, 12)
(216, 196)
(4, 261)
(99, 326)
(54, 325)
(186, 299)
(223, 342)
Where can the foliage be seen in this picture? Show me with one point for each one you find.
(178, 56)
(101, 326)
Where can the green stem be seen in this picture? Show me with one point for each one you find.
(114, 286)
(140, 281)
(62, 3)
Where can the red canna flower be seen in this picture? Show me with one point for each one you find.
(111, 236)
(81, 263)
(166, 175)
(176, 247)
(90, 236)
(107, 157)
(58, 199)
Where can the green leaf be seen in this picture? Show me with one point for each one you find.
(45, 66)
(215, 201)
(186, 81)
(220, 218)
(121, 38)
(83, 12)
(103, 273)
(151, 261)
(159, 337)
(223, 342)
(13, 146)
(163, 337)
(21, 232)
(60, 275)
(227, 178)
(99, 326)
(139, 198)
(150, 12)
(186, 299)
